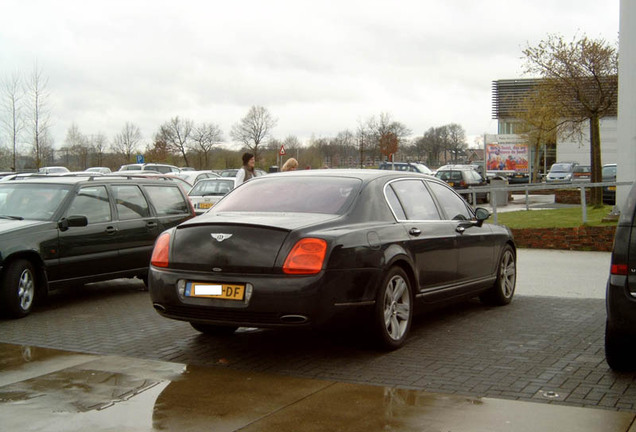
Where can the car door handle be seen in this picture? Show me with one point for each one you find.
(151, 225)
(460, 229)
(111, 230)
(415, 232)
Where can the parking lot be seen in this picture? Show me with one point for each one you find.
(547, 346)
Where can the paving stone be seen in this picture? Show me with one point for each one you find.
(534, 345)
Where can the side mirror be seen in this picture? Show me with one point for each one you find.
(481, 214)
(72, 221)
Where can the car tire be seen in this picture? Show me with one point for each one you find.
(393, 312)
(619, 351)
(503, 289)
(213, 330)
(17, 292)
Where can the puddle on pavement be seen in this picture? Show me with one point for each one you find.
(117, 393)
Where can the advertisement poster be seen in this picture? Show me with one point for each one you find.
(506, 155)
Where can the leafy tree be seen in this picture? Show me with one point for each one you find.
(539, 122)
(582, 77)
(253, 129)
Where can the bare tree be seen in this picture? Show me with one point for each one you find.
(40, 115)
(365, 137)
(12, 93)
(77, 145)
(205, 137)
(456, 140)
(434, 142)
(125, 143)
(253, 129)
(98, 144)
(177, 134)
(583, 78)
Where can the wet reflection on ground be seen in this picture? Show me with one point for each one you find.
(49, 390)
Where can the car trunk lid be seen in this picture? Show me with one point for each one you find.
(235, 243)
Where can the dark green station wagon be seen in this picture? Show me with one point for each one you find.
(58, 231)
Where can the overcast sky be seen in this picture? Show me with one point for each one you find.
(319, 67)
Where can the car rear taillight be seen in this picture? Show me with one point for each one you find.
(619, 269)
(160, 253)
(462, 183)
(306, 257)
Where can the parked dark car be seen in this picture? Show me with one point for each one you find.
(305, 248)
(582, 173)
(609, 175)
(461, 178)
(60, 231)
(620, 328)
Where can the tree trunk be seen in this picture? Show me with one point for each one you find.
(596, 195)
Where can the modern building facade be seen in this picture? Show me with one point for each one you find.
(507, 95)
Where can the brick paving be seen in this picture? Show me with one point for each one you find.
(542, 349)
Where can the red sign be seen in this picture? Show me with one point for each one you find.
(282, 150)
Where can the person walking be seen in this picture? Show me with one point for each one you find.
(246, 172)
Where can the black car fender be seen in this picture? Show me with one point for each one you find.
(396, 255)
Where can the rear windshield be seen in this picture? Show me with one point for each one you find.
(167, 200)
(287, 193)
(212, 187)
(609, 171)
(36, 201)
(561, 168)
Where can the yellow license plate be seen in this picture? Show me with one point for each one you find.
(451, 184)
(612, 188)
(205, 205)
(219, 291)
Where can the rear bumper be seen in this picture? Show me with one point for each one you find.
(272, 300)
(621, 306)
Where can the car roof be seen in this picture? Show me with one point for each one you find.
(365, 175)
(457, 167)
(88, 177)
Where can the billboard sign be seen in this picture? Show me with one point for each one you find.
(506, 153)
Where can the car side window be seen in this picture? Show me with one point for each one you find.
(454, 206)
(416, 200)
(131, 203)
(92, 202)
(394, 203)
(167, 200)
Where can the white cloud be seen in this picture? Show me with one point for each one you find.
(319, 67)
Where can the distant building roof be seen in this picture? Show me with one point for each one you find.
(508, 93)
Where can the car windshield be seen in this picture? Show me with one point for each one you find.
(212, 187)
(561, 168)
(31, 201)
(330, 195)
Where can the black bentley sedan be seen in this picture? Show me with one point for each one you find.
(305, 248)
